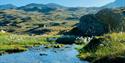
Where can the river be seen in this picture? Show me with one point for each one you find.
(66, 54)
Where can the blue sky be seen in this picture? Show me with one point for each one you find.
(69, 3)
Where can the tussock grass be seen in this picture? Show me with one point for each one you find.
(11, 42)
(112, 46)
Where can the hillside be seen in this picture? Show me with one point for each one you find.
(42, 17)
(52, 7)
(17, 21)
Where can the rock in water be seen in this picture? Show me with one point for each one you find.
(43, 54)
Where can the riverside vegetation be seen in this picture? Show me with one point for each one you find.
(11, 43)
(110, 46)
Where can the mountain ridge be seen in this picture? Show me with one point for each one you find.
(115, 4)
(7, 6)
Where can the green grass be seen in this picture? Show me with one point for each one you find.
(10, 42)
(112, 46)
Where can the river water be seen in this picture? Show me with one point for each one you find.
(66, 54)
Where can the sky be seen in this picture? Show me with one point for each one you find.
(68, 3)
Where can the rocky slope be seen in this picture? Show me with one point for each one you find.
(106, 20)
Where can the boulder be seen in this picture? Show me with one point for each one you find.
(111, 18)
(106, 20)
(91, 26)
